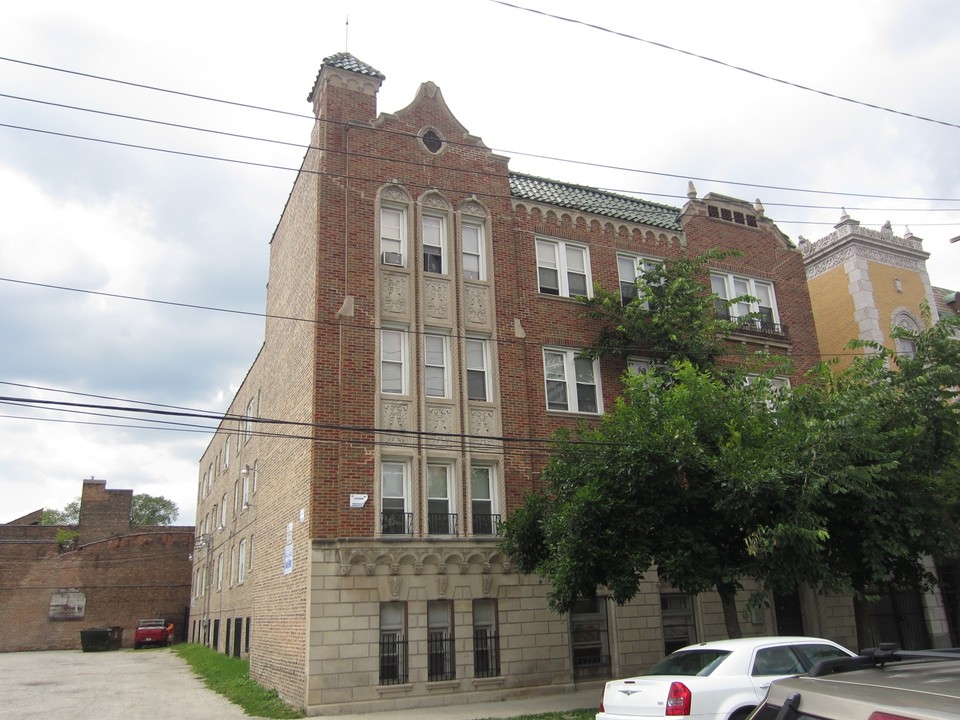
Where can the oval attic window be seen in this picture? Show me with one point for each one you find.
(432, 141)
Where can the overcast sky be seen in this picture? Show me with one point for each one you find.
(82, 222)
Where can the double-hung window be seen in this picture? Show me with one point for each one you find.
(440, 655)
(242, 562)
(441, 520)
(478, 379)
(393, 235)
(483, 500)
(486, 646)
(762, 305)
(395, 518)
(563, 268)
(436, 360)
(629, 268)
(572, 382)
(393, 362)
(434, 242)
(393, 644)
(473, 252)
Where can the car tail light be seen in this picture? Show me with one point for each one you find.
(602, 693)
(678, 699)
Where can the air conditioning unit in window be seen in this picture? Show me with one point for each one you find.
(391, 258)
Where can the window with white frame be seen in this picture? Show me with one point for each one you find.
(250, 564)
(563, 268)
(629, 268)
(441, 518)
(223, 511)
(763, 305)
(478, 379)
(220, 572)
(242, 561)
(474, 260)
(393, 235)
(572, 382)
(777, 385)
(245, 492)
(906, 347)
(393, 361)
(230, 569)
(483, 500)
(256, 474)
(226, 452)
(395, 518)
(436, 360)
(236, 498)
(434, 244)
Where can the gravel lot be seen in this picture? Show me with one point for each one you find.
(111, 685)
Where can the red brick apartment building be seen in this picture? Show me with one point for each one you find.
(421, 330)
(111, 575)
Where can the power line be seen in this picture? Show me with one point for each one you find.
(731, 66)
(734, 352)
(551, 158)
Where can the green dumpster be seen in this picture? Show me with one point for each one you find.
(95, 639)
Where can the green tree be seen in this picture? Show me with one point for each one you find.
(675, 476)
(879, 443)
(153, 510)
(678, 475)
(145, 510)
(69, 515)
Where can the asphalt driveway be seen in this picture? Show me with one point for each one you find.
(112, 685)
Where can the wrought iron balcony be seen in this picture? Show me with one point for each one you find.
(442, 523)
(486, 524)
(396, 522)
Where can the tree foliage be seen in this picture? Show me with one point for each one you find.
(68, 515)
(153, 510)
(145, 510)
(844, 482)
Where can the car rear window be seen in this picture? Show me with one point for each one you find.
(689, 662)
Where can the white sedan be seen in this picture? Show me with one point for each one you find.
(719, 680)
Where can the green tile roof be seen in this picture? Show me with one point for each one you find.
(592, 200)
(346, 61)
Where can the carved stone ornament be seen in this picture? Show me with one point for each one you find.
(394, 293)
(395, 587)
(476, 304)
(437, 299)
(486, 584)
(395, 194)
(442, 586)
(435, 202)
(439, 422)
(473, 209)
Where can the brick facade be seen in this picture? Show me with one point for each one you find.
(113, 575)
(326, 567)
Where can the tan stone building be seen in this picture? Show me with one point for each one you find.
(421, 345)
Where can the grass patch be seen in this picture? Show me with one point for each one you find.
(585, 714)
(230, 677)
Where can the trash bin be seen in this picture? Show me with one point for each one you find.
(115, 637)
(95, 639)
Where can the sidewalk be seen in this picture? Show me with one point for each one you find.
(588, 698)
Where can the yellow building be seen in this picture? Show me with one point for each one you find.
(863, 283)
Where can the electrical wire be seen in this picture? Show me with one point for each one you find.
(411, 135)
(730, 66)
